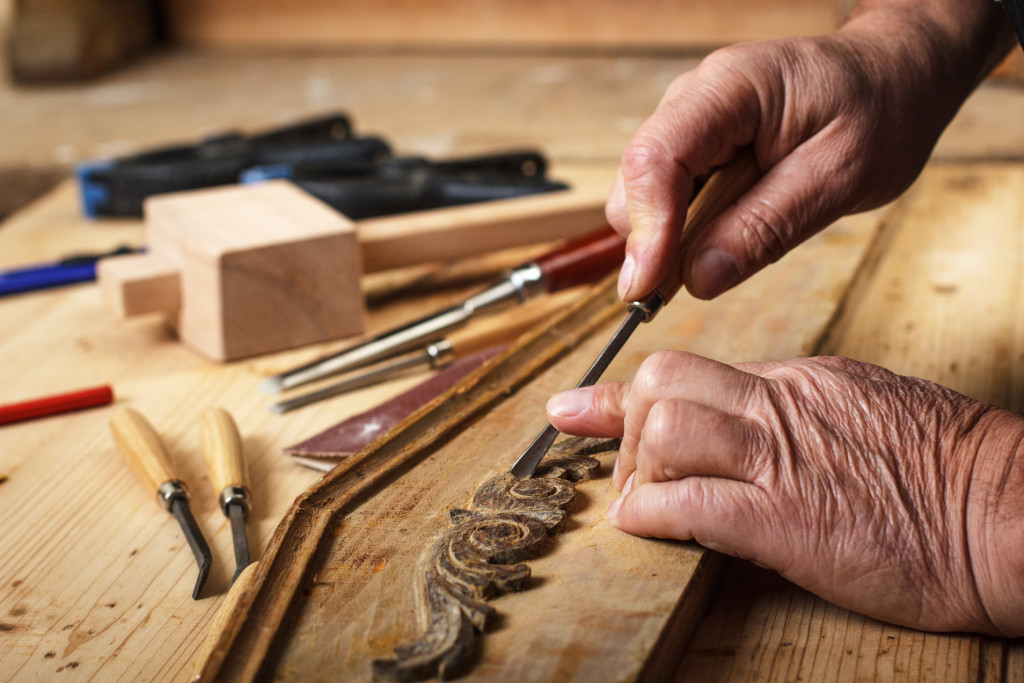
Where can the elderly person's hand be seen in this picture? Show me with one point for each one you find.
(838, 123)
(889, 495)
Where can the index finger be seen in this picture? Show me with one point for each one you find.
(701, 126)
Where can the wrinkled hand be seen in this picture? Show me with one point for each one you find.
(838, 123)
(889, 495)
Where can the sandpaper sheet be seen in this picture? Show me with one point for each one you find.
(354, 433)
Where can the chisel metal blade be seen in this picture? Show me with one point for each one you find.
(369, 378)
(181, 511)
(639, 312)
(430, 328)
(236, 513)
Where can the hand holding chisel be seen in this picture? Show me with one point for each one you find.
(229, 472)
(724, 188)
(139, 444)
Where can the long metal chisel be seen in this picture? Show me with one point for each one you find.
(724, 188)
(493, 331)
(580, 261)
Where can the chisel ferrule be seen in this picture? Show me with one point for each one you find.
(440, 354)
(648, 306)
(520, 285)
(169, 491)
(528, 281)
(232, 495)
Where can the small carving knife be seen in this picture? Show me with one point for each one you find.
(229, 472)
(475, 337)
(580, 261)
(724, 188)
(139, 444)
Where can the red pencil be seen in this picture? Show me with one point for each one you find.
(53, 405)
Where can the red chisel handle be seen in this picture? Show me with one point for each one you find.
(582, 260)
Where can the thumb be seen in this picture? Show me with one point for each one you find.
(693, 130)
(598, 410)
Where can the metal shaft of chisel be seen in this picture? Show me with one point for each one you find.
(371, 377)
(235, 503)
(181, 511)
(638, 312)
(237, 515)
(520, 285)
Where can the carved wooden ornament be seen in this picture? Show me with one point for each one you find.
(481, 557)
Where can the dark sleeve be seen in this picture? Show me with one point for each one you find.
(1015, 11)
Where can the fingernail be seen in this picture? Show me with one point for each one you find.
(568, 403)
(626, 276)
(628, 486)
(613, 511)
(714, 271)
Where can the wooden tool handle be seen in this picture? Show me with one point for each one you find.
(139, 444)
(726, 186)
(222, 450)
(504, 327)
(582, 260)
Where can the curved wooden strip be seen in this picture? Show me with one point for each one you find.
(472, 561)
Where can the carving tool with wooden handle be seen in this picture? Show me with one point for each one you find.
(139, 444)
(724, 188)
(229, 472)
(580, 261)
(476, 336)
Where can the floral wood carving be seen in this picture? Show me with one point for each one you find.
(481, 557)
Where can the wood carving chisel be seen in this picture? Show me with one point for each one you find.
(724, 188)
(139, 444)
(229, 472)
(477, 336)
(580, 261)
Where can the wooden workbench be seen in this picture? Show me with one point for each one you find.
(95, 578)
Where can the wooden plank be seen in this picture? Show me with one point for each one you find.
(942, 301)
(606, 598)
(491, 23)
(767, 629)
(462, 231)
